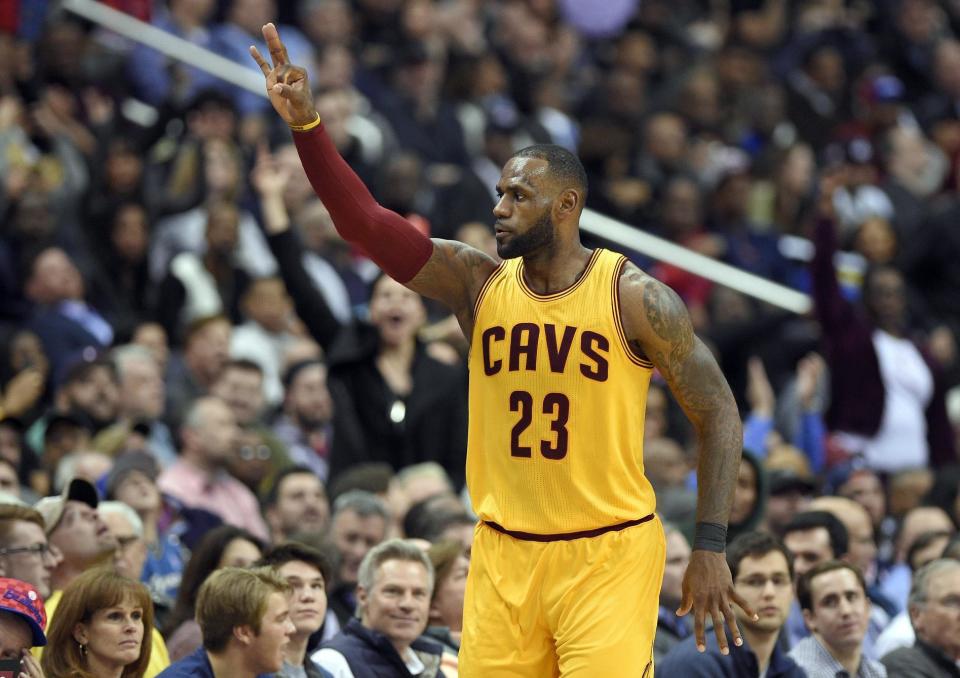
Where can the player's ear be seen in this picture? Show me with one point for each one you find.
(568, 202)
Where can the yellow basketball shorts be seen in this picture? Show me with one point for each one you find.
(579, 608)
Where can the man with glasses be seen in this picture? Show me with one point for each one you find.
(24, 551)
(762, 570)
(934, 607)
(127, 529)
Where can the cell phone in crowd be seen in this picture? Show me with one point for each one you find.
(9, 668)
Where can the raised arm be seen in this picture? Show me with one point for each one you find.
(270, 181)
(450, 272)
(658, 328)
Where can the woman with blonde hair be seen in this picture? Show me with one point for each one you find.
(102, 628)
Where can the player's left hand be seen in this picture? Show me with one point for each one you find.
(708, 589)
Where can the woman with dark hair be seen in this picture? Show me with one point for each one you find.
(225, 546)
(102, 629)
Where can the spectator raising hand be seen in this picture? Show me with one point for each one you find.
(21, 393)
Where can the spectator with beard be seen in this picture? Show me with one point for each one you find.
(313, 427)
(297, 503)
(199, 479)
(359, 523)
(88, 390)
(206, 349)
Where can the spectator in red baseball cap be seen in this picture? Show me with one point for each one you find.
(22, 622)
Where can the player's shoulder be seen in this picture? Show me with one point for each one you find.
(638, 286)
(464, 256)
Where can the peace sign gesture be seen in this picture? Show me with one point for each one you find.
(287, 85)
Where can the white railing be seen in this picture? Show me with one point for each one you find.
(249, 78)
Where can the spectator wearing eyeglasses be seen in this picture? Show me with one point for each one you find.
(26, 555)
(127, 528)
(934, 606)
(762, 570)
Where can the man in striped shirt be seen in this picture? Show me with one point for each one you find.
(836, 609)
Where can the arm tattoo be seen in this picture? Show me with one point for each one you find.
(699, 386)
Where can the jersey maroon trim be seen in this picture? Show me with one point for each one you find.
(483, 291)
(621, 333)
(567, 536)
(553, 296)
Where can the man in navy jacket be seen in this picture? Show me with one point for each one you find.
(762, 570)
(394, 587)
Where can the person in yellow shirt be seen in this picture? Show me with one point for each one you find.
(79, 536)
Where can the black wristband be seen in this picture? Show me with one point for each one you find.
(710, 537)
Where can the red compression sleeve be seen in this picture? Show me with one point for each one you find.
(392, 242)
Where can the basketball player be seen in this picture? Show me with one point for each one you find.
(568, 556)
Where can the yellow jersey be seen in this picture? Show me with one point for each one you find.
(557, 403)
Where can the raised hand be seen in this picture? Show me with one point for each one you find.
(268, 177)
(708, 589)
(287, 85)
(270, 180)
(22, 392)
(809, 371)
(760, 393)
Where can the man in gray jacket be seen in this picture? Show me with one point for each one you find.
(935, 612)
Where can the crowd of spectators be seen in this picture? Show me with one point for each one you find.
(230, 446)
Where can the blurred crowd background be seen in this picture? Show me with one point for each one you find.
(181, 325)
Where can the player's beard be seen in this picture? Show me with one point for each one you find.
(538, 236)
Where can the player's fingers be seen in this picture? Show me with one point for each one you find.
(744, 605)
(686, 602)
(698, 615)
(264, 66)
(286, 91)
(731, 623)
(278, 53)
(718, 631)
